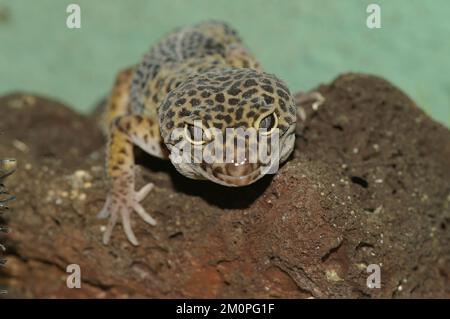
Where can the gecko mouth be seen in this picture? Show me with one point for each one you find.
(240, 180)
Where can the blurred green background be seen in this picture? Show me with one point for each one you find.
(304, 42)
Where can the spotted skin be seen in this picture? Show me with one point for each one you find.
(197, 73)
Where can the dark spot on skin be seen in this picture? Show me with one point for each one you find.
(251, 114)
(218, 125)
(291, 108)
(139, 119)
(282, 105)
(128, 126)
(249, 83)
(195, 102)
(146, 138)
(267, 88)
(184, 112)
(228, 118)
(283, 94)
(268, 99)
(234, 91)
(233, 101)
(165, 105)
(169, 125)
(209, 102)
(205, 94)
(282, 86)
(239, 113)
(180, 102)
(170, 114)
(220, 98)
(219, 108)
(249, 93)
(115, 168)
(150, 121)
(207, 117)
(123, 151)
(139, 73)
(192, 92)
(120, 162)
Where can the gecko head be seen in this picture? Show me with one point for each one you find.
(229, 126)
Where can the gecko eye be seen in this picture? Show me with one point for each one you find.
(196, 135)
(269, 123)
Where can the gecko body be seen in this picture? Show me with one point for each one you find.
(197, 74)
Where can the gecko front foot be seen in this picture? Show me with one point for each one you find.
(121, 203)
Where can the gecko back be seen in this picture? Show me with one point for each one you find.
(187, 46)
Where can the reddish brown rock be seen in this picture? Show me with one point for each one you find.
(368, 184)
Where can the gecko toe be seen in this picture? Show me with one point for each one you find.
(104, 212)
(144, 215)
(107, 234)
(126, 223)
(143, 192)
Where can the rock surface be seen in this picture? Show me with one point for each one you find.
(369, 183)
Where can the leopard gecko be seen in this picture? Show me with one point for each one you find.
(201, 73)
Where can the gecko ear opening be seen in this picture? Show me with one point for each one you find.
(196, 135)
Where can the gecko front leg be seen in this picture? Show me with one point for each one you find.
(123, 199)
